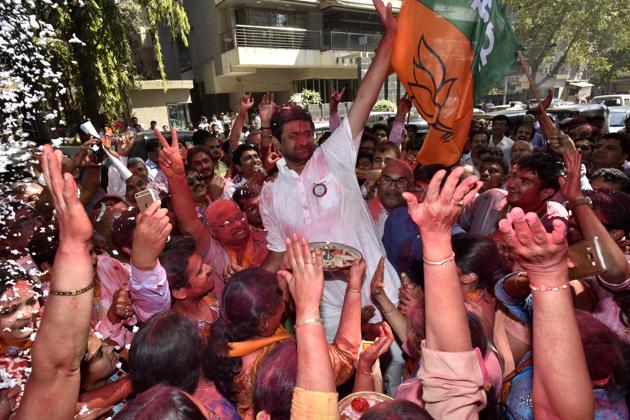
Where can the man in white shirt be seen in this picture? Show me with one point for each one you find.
(501, 126)
(316, 193)
(203, 125)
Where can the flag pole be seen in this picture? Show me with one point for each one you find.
(528, 74)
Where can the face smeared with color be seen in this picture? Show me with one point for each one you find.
(19, 309)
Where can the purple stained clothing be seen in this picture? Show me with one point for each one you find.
(148, 290)
(220, 408)
(403, 244)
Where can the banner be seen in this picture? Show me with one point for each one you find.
(448, 54)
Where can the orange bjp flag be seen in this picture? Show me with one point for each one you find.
(447, 54)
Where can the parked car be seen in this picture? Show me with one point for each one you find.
(596, 114)
(612, 100)
(617, 118)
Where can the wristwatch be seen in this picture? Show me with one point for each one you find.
(570, 205)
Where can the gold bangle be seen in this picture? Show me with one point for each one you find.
(73, 293)
(309, 321)
(348, 289)
(388, 312)
(365, 373)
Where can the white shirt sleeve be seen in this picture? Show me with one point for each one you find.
(341, 147)
(275, 237)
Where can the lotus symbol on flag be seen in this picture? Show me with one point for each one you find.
(431, 89)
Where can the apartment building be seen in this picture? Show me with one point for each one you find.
(238, 46)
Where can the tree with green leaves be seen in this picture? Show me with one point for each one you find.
(580, 32)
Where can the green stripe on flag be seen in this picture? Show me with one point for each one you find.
(487, 27)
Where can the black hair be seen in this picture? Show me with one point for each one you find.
(248, 299)
(285, 114)
(240, 150)
(10, 273)
(622, 138)
(380, 126)
(199, 137)
(273, 387)
(546, 167)
(501, 118)
(612, 175)
(123, 227)
(167, 349)
(43, 244)
(195, 150)
(174, 259)
(387, 146)
(161, 402)
(153, 145)
(498, 160)
(476, 254)
(245, 192)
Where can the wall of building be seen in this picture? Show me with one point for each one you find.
(150, 104)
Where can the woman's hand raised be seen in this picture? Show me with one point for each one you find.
(442, 206)
(306, 279)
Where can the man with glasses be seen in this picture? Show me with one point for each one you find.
(396, 178)
(316, 193)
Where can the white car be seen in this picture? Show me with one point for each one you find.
(612, 100)
(617, 118)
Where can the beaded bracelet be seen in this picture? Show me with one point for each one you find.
(438, 263)
(549, 289)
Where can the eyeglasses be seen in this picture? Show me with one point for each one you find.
(240, 217)
(400, 182)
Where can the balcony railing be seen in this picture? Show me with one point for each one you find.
(349, 41)
(265, 37)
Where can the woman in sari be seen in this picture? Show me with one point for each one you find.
(252, 310)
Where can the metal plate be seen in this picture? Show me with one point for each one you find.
(336, 256)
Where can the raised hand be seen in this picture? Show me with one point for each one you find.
(334, 100)
(387, 17)
(404, 106)
(126, 143)
(538, 252)
(247, 102)
(121, 307)
(367, 313)
(441, 207)
(74, 224)
(270, 158)
(571, 186)
(382, 343)
(266, 108)
(150, 235)
(378, 283)
(170, 159)
(356, 274)
(216, 187)
(306, 279)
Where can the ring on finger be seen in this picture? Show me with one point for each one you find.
(459, 203)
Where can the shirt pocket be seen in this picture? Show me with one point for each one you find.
(329, 205)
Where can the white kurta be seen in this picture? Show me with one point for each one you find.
(288, 205)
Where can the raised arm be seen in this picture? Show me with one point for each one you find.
(396, 133)
(172, 165)
(446, 323)
(349, 331)
(148, 285)
(562, 385)
(373, 80)
(247, 102)
(618, 270)
(390, 312)
(265, 111)
(334, 121)
(61, 343)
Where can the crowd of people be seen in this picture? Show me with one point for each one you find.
(495, 288)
